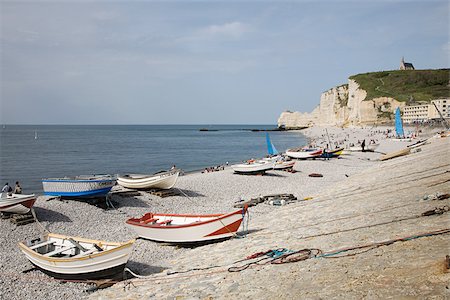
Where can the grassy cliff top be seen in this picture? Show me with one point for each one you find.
(421, 85)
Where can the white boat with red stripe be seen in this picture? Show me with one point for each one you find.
(304, 153)
(175, 228)
(16, 203)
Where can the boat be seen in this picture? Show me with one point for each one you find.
(304, 153)
(175, 228)
(67, 257)
(163, 180)
(394, 154)
(79, 186)
(284, 164)
(253, 167)
(368, 148)
(332, 153)
(16, 203)
(399, 124)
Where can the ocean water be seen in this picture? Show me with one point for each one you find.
(29, 153)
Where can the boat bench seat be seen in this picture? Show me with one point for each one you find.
(166, 222)
(90, 251)
(152, 220)
(59, 250)
(42, 244)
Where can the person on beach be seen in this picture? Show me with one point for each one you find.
(363, 145)
(17, 188)
(7, 188)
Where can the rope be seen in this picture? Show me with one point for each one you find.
(435, 211)
(40, 226)
(288, 257)
(184, 194)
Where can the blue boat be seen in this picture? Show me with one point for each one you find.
(79, 186)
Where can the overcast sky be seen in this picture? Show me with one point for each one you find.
(201, 62)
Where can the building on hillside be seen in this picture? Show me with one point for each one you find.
(406, 66)
(427, 112)
(416, 113)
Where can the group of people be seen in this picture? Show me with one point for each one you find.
(9, 190)
(213, 169)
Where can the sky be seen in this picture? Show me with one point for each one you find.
(201, 62)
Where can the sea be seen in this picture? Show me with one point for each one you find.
(29, 153)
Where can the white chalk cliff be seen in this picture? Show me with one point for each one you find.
(344, 105)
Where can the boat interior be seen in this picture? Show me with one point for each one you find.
(166, 220)
(66, 247)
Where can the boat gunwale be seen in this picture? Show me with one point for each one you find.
(73, 180)
(136, 221)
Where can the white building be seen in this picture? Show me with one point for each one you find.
(427, 112)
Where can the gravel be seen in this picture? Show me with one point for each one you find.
(213, 192)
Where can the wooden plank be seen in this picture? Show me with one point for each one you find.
(42, 244)
(59, 250)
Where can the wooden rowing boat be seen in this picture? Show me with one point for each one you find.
(164, 180)
(304, 153)
(253, 167)
(176, 228)
(67, 257)
(395, 154)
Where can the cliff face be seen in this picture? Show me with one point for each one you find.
(343, 106)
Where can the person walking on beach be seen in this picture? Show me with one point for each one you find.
(17, 188)
(363, 145)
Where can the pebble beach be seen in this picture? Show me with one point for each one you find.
(357, 192)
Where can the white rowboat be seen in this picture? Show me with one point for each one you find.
(253, 167)
(304, 153)
(165, 180)
(68, 257)
(175, 228)
(16, 203)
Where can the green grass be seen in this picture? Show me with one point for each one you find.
(421, 85)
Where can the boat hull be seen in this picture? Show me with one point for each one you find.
(217, 227)
(332, 153)
(102, 274)
(137, 181)
(17, 203)
(104, 264)
(78, 187)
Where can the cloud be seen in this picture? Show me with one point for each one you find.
(228, 30)
(225, 32)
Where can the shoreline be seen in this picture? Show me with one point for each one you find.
(213, 192)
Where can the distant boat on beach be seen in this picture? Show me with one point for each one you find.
(253, 167)
(304, 153)
(79, 186)
(35, 135)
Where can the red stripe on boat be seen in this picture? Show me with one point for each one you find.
(233, 227)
